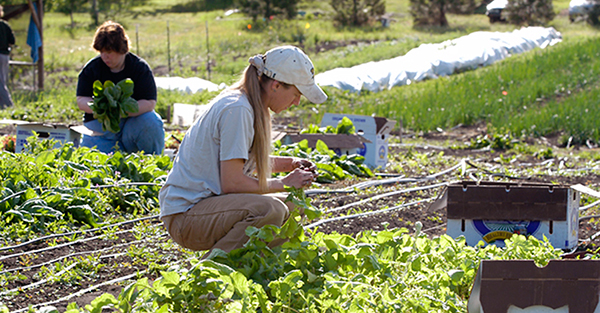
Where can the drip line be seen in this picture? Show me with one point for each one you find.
(78, 254)
(589, 206)
(41, 282)
(75, 233)
(368, 213)
(79, 188)
(58, 246)
(386, 195)
(84, 291)
(388, 181)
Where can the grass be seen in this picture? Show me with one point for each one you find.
(176, 44)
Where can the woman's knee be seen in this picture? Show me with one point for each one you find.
(277, 212)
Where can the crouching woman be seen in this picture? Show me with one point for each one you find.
(221, 181)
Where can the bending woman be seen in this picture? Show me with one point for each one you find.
(210, 196)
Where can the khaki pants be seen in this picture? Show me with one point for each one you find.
(221, 221)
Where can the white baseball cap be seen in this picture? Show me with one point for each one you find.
(288, 64)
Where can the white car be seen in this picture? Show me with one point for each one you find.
(494, 10)
(580, 9)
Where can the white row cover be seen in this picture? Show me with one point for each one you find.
(188, 85)
(441, 59)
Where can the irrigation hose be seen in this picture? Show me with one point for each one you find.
(66, 244)
(27, 268)
(389, 181)
(368, 213)
(496, 174)
(384, 195)
(589, 206)
(21, 245)
(16, 194)
(84, 291)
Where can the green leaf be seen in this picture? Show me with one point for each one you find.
(126, 86)
(45, 157)
(456, 275)
(98, 89)
(130, 105)
(345, 126)
(97, 304)
(108, 84)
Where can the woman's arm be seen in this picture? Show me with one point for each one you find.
(288, 164)
(233, 179)
(144, 106)
(82, 103)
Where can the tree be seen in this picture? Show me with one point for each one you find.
(357, 12)
(268, 8)
(113, 8)
(69, 7)
(433, 12)
(529, 12)
(429, 12)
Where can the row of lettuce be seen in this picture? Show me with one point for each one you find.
(48, 189)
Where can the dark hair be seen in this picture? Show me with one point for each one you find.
(111, 36)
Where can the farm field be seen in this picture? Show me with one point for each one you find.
(79, 229)
(77, 268)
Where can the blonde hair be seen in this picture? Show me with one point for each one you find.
(253, 87)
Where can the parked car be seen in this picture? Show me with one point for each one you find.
(580, 9)
(494, 10)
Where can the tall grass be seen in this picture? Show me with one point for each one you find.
(534, 82)
(538, 93)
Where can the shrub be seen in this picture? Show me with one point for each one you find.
(357, 12)
(429, 12)
(529, 12)
(268, 8)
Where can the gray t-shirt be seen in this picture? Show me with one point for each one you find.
(224, 132)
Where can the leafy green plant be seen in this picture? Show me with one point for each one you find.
(344, 126)
(385, 271)
(112, 102)
(43, 186)
(330, 166)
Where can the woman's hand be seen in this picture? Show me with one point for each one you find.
(304, 164)
(299, 178)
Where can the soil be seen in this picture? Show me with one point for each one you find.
(110, 252)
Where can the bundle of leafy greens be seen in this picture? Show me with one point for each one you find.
(344, 126)
(112, 102)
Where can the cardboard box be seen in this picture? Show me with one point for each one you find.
(61, 132)
(510, 286)
(375, 129)
(493, 211)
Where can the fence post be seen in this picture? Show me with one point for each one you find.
(207, 51)
(168, 50)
